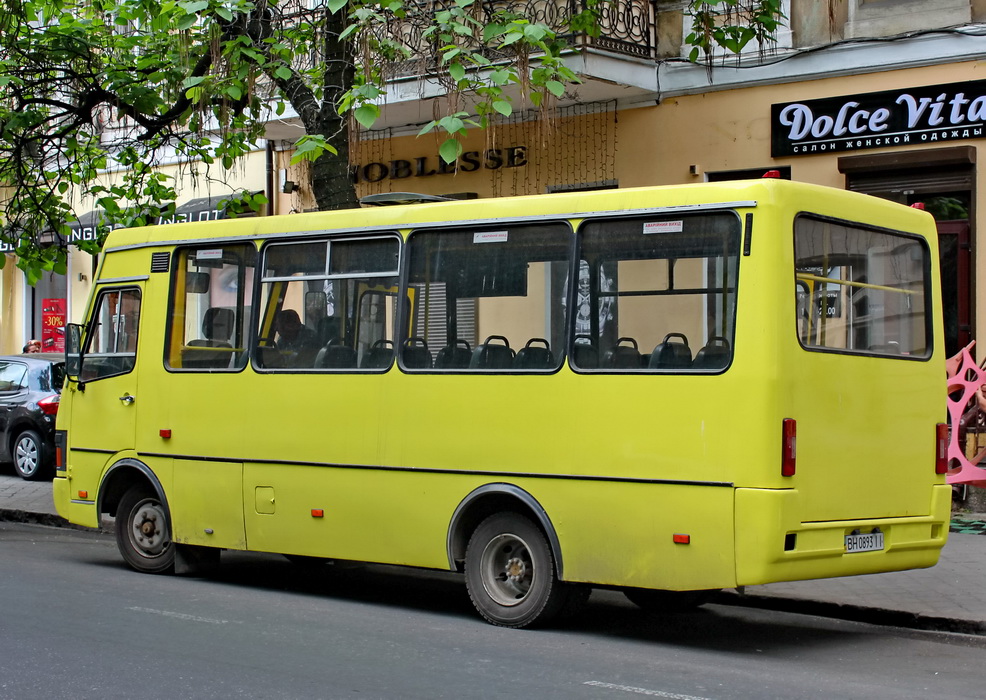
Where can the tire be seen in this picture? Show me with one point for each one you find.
(29, 456)
(143, 533)
(511, 577)
(666, 602)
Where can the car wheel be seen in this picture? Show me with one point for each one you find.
(29, 456)
(143, 533)
(510, 573)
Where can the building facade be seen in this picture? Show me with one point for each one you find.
(886, 97)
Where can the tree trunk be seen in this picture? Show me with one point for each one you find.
(331, 182)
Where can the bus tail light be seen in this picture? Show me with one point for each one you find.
(941, 448)
(60, 437)
(789, 447)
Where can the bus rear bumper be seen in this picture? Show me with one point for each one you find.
(773, 545)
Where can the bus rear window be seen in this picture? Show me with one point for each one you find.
(859, 290)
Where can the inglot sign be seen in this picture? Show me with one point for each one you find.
(928, 114)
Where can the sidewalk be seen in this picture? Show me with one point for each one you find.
(948, 597)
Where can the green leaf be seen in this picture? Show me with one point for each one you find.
(555, 88)
(511, 37)
(194, 7)
(336, 5)
(501, 76)
(503, 107)
(450, 150)
(366, 115)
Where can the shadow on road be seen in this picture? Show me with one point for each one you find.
(607, 614)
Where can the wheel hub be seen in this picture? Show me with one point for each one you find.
(516, 570)
(148, 537)
(507, 569)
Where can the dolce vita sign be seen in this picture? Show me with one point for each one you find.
(928, 114)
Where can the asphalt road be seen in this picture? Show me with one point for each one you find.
(75, 623)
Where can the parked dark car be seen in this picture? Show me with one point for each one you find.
(30, 388)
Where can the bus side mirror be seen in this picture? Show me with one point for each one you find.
(73, 350)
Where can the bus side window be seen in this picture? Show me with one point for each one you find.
(657, 294)
(340, 295)
(488, 300)
(208, 316)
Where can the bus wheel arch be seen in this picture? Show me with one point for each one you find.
(133, 495)
(488, 500)
(504, 542)
(123, 476)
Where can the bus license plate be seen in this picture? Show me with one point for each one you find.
(871, 542)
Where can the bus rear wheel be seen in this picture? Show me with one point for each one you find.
(665, 602)
(143, 533)
(510, 574)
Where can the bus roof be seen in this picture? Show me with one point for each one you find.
(738, 194)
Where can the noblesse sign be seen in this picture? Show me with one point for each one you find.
(929, 114)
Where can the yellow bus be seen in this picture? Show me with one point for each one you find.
(667, 391)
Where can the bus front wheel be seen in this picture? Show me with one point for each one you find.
(510, 573)
(143, 533)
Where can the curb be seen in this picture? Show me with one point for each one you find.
(853, 613)
(47, 519)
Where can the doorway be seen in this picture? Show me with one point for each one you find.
(943, 181)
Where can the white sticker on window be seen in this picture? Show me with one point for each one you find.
(490, 237)
(663, 226)
(211, 254)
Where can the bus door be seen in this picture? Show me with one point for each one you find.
(105, 399)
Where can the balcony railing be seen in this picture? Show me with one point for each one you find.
(626, 27)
